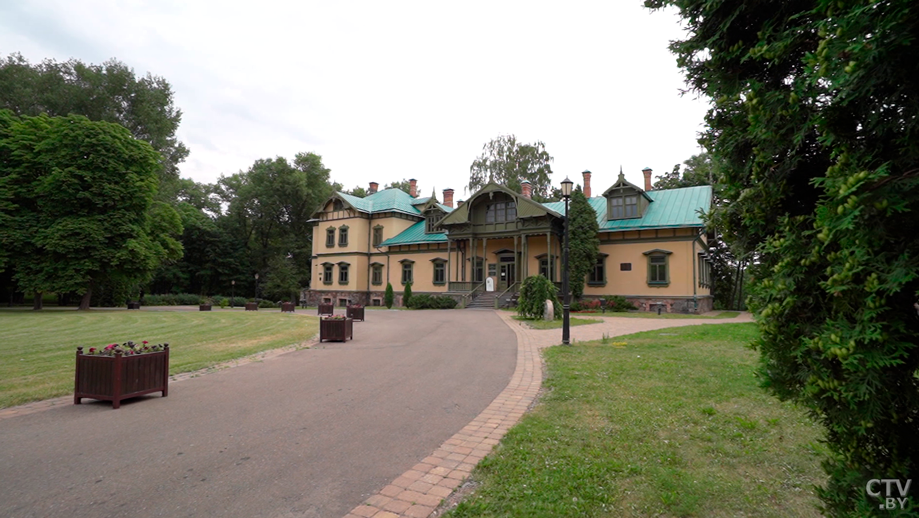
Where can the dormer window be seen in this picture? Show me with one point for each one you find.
(631, 206)
(625, 201)
(430, 225)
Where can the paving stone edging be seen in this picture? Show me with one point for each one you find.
(420, 490)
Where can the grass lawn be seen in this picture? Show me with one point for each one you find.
(37, 348)
(661, 426)
(538, 323)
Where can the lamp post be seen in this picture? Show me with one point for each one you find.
(256, 287)
(232, 292)
(566, 298)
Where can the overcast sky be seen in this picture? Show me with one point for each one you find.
(392, 90)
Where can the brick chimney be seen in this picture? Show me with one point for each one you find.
(413, 187)
(448, 197)
(586, 183)
(526, 189)
(460, 203)
(647, 172)
(373, 187)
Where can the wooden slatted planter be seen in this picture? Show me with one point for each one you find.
(288, 307)
(251, 306)
(338, 330)
(204, 307)
(133, 305)
(325, 309)
(356, 313)
(116, 378)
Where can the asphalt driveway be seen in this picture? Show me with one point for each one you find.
(311, 433)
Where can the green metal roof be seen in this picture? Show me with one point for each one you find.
(415, 234)
(382, 201)
(670, 208)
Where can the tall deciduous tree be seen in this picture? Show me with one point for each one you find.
(508, 162)
(814, 126)
(108, 92)
(82, 205)
(584, 245)
(269, 207)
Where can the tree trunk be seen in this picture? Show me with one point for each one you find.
(84, 302)
(37, 301)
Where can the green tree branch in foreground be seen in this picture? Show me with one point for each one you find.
(813, 123)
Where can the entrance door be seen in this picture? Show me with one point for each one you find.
(507, 276)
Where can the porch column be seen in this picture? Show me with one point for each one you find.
(549, 260)
(484, 258)
(449, 263)
(475, 258)
(516, 268)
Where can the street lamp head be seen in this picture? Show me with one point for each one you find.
(256, 276)
(233, 282)
(566, 187)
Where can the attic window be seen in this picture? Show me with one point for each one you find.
(338, 205)
(623, 207)
(430, 225)
(501, 212)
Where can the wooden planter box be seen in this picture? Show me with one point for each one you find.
(288, 307)
(204, 307)
(116, 378)
(133, 305)
(326, 309)
(251, 306)
(356, 313)
(337, 330)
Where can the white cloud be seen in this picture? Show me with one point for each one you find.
(392, 90)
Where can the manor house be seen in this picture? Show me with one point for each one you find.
(653, 245)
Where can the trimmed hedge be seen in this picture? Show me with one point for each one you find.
(423, 301)
(186, 299)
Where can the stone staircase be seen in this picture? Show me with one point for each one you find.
(484, 300)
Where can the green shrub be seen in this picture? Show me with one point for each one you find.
(424, 301)
(265, 303)
(224, 302)
(534, 292)
(407, 295)
(388, 296)
(618, 303)
(172, 299)
(575, 306)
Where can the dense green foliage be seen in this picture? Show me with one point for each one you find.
(814, 126)
(80, 205)
(583, 241)
(508, 162)
(108, 92)
(407, 295)
(425, 301)
(618, 303)
(389, 296)
(534, 292)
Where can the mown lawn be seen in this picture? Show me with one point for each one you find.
(651, 314)
(37, 348)
(538, 323)
(654, 425)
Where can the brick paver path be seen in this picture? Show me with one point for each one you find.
(419, 491)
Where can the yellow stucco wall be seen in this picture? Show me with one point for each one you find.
(422, 268)
(680, 265)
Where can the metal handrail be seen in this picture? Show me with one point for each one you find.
(498, 298)
(472, 293)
